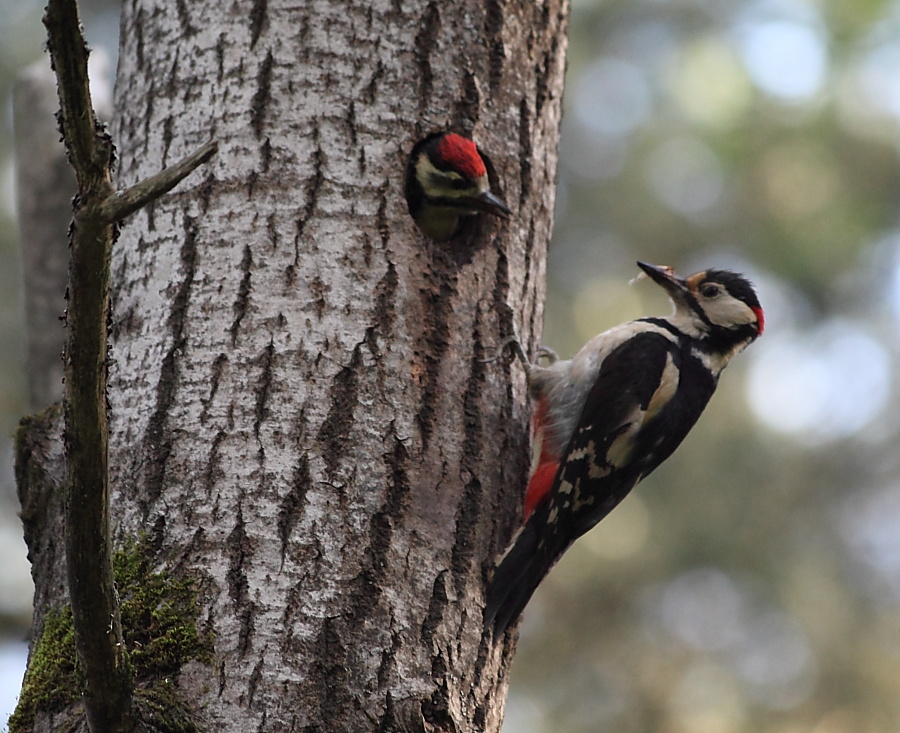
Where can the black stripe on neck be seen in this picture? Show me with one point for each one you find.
(663, 323)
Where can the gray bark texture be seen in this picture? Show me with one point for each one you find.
(45, 184)
(305, 417)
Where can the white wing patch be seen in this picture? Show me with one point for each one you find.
(565, 384)
(619, 452)
(668, 385)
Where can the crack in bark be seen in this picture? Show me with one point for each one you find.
(467, 110)
(319, 289)
(370, 90)
(204, 192)
(381, 529)
(168, 135)
(265, 361)
(425, 43)
(381, 220)
(388, 659)
(525, 154)
(529, 249)
(138, 26)
(257, 20)
(361, 161)
(436, 606)
(436, 710)
(184, 19)
(243, 296)
(253, 682)
(543, 73)
(469, 510)
(220, 57)
(501, 280)
(384, 311)
(240, 550)
(353, 131)
(158, 439)
(272, 229)
(473, 426)
(215, 377)
(481, 660)
(263, 96)
(294, 503)
(265, 156)
(493, 31)
(514, 470)
(212, 472)
(437, 305)
(291, 609)
(367, 585)
(331, 674)
(311, 199)
(467, 519)
(336, 428)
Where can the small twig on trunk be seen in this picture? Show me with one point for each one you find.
(98, 633)
(122, 203)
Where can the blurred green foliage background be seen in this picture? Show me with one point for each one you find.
(752, 584)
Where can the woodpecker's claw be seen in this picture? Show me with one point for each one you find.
(545, 352)
(513, 343)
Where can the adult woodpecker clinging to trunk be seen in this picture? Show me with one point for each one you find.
(609, 416)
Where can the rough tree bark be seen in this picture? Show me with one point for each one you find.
(304, 419)
(44, 187)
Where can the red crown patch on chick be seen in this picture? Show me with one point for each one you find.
(461, 155)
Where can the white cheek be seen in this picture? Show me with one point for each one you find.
(729, 312)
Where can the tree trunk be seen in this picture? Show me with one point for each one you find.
(305, 419)
(45, 184)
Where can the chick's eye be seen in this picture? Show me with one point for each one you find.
(709, 290)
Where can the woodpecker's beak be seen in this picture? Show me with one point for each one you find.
(489, 203)
(675, 286)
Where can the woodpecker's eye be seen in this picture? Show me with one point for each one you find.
(710, 290)
(459, 184)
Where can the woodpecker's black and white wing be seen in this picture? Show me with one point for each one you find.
(634, 417)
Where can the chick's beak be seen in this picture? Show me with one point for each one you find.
(675, 286)
(489, 203)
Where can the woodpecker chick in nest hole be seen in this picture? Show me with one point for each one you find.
(447, 180)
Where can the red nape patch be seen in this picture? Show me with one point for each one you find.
(760, 321)
(461, 154)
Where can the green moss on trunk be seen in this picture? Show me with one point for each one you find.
(159, 622)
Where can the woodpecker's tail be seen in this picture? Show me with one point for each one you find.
(518, 573)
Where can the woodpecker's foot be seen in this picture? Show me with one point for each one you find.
(545, 352)
(510, 343)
